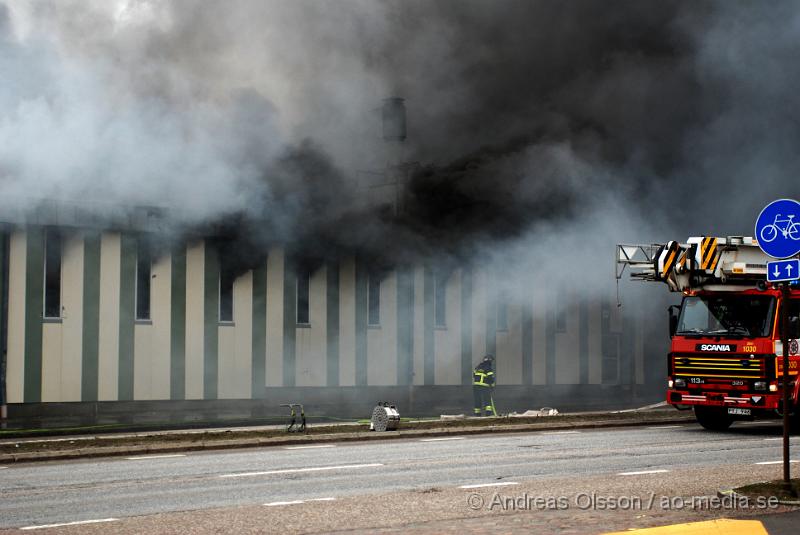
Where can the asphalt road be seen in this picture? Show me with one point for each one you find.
(116, 488)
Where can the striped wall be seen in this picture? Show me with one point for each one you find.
(98, 351)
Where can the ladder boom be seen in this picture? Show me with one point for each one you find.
(703, 262)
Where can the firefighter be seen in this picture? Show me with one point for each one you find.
(483, 385)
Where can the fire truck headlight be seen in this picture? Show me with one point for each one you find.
(760, 385)
(670, 383)
(680, 383)
(773, 388)
(778, 347)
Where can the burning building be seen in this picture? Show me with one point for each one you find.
(114, 323)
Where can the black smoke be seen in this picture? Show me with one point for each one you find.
(526, 119)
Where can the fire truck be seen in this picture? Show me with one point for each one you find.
(725, 360)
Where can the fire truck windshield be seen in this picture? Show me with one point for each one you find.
(727, 315)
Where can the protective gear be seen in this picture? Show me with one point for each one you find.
(482, 384)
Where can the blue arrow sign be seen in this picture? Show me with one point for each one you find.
(783, 270)
(778, 228)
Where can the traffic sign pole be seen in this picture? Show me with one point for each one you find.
(778, 235)
(785, 342)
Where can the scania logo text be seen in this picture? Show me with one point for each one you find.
(716, 347)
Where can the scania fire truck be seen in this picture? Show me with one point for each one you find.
(725, 358)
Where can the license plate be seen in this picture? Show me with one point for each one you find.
(739, 412)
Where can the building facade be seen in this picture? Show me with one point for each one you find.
(103, 325)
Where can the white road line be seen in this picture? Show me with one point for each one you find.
(299, 470)
(3, 467)
(777, 462)
(148, 457)
(310, 447)
(560, 432)
(664, 426)
(274, 504)
(643, 472)
(779, 438)
(440, 439)
(296, 502)
(80, 522)
(481, 485)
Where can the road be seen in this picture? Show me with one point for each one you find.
(326, 475)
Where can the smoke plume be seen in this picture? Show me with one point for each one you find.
(540, 133)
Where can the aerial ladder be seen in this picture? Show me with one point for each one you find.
(702, 263)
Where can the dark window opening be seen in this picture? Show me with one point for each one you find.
(502, 312)
(609, 346)
(610, 349)
(144, 268)
(374, 299)
(226, 279)
(303, 282)
(561, 313)
(440, 299)
(52, 275)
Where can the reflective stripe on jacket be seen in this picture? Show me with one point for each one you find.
(483, 375)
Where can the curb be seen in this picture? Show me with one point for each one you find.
(322, 438)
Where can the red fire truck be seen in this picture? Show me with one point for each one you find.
(725, 358)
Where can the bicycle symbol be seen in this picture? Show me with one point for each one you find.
(786, 227)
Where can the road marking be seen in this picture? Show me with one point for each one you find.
(665, 426)
(441, 439)
(777, 462)
(80, 522)
(3, 467)
(295, 502)
(481, 485)
(560, 432)
(778, 438)
(299, 470)
(643, 472)
(148, 457)
(274, 504)
(722, 525)
(310, 447)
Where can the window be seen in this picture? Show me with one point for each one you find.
(303, 281)
(374, 299)
(144, 267)
(440, 299)
(502, 312)
(794, 319)
(52, 274)
(561, 313)
(226, 278)
(725, 315)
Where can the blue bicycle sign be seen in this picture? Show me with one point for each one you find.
(778, 228)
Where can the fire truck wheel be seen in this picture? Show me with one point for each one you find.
(712, 418)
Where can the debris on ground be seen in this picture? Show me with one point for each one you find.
(544, 411)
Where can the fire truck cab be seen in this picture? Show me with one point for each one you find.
(725, 359)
